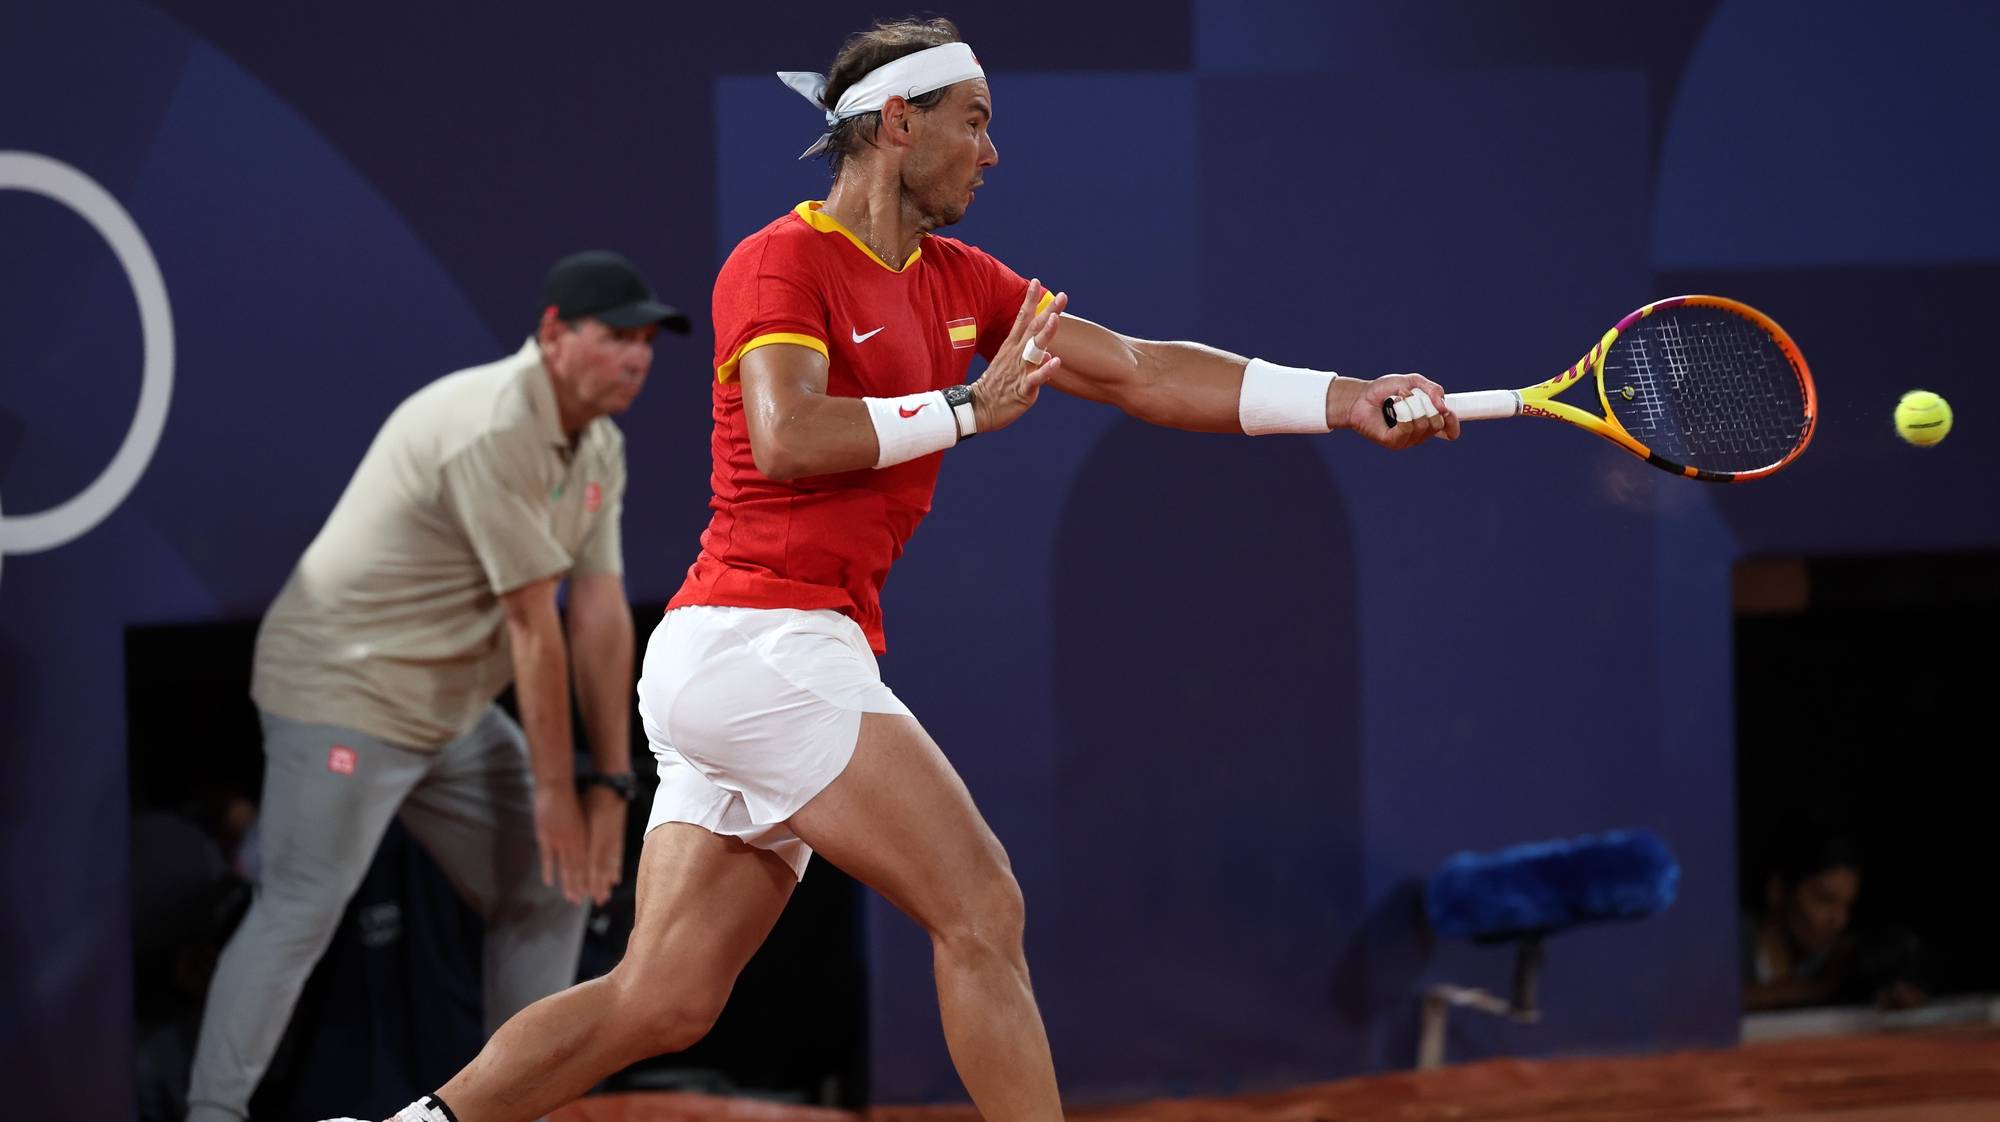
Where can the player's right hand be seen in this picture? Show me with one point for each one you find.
(1364, 414)
(1011, 383)
(560, 836)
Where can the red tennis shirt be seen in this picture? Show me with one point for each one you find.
(827, 541)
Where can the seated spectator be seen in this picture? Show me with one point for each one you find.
(1800, 950)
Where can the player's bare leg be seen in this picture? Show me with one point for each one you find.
(900, 820)
(706, 903)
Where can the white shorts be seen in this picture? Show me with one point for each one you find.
(751, 712)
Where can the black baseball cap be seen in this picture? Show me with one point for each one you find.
(604, 286)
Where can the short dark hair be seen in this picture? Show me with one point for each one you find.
(869, 50)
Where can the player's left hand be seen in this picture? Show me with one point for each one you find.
(604, 863)
(1011, 383)
(1364, 414)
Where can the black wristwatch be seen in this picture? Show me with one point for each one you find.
(959, 398)
(624, 782)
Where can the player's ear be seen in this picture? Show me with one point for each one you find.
(896, 115)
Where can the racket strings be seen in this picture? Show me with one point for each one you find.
(1706, 388)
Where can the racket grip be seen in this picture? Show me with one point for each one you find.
(1484, 405)
(1474, 405)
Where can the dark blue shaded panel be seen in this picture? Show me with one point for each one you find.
(70, 351)
(305, 312)
(85, 82)
(1484, 229)
(1429, 36)
(1208, 810)
(72, 357)
(513, 133)
(1831, 134)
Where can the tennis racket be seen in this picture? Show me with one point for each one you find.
(1701, 386)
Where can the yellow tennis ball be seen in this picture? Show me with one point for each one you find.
(1923, 418)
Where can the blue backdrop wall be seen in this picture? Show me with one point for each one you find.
(1224, 699)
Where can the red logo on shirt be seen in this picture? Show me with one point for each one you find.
(593, 497)
(341, 760)
(908, 412)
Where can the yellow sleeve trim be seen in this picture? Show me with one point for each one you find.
(1047, 298)
(728, 369)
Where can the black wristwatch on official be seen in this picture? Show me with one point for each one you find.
(960, 400)
(623, 782)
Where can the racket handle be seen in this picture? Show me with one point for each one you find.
(1484, 405)
(1476, 405)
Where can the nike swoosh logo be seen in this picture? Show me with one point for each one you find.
(860, 338)
(903, 409)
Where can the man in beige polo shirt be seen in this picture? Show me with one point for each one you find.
(431, 587)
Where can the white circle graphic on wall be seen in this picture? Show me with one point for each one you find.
(71, 519)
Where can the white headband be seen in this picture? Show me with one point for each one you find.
(913, 75)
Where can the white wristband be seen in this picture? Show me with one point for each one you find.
(1282, 399)
(908, 427)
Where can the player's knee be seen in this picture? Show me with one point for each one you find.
(676, 1023)
(663, 1014)
(989, 920)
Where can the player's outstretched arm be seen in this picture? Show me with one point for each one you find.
(797, 429)
(1191, 386)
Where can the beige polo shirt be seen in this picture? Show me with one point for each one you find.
(391, 623)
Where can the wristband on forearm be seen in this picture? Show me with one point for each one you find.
(1278, 399)
(920, 423)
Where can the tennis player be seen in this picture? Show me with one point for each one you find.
(844, 332)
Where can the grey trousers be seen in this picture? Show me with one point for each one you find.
(328, 796)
